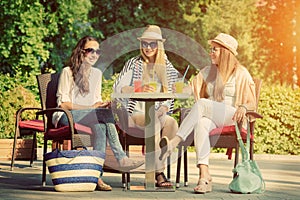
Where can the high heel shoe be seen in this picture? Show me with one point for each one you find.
(203, 186)
(165, 148)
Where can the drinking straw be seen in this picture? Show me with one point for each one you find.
(185, 72)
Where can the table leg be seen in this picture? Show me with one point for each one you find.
(150, 145)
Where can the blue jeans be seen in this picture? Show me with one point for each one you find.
(101, 121)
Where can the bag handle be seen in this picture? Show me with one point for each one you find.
(245, 153)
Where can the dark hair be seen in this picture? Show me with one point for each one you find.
(75, 63)
(77, 56)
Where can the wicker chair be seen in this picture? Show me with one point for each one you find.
(26, 127)
(79, 135)
(222, 137)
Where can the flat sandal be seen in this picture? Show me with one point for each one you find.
(104, 187)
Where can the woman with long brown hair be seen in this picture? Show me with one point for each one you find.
(79, 90)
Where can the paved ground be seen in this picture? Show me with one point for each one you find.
(281, 174)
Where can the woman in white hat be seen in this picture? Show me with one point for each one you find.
(223, 93)
(152, 65)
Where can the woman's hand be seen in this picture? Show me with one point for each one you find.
(187, 89)
(101, 105)
(148, 88)
(127, 89)
(239, 114)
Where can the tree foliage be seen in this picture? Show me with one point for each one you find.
(279, 34)
(114, 17)
(24, 27)
(39, 35)
(241, 25)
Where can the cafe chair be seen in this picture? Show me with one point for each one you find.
(222, 137)
(79, 135)
(130, 136)
(26, 127)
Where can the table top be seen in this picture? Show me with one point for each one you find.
(151, 96)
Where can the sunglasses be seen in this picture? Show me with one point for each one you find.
(214, 49)
(91, 50)
(152, 45)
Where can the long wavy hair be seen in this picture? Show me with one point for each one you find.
(222, 71)
(79, 71)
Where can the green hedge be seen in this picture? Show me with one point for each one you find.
(279, 130)
(277, 133)
(14, 96)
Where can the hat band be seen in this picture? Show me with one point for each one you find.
(152, 35)
(227, 46)
(91, 44)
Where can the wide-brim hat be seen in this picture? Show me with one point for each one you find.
(227, 41)
(152, 32)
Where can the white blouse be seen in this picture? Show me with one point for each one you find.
(67, 91)
(229, 91)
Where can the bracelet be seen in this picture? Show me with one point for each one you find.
(243, 107)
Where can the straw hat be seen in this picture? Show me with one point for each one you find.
(227, 41)
(152, 32)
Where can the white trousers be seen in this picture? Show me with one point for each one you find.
(204, 116)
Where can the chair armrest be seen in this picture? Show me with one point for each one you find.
(49, 112)
(122, 115)
(177, 110)
(21, 110)
(53, 110)
(253, 114)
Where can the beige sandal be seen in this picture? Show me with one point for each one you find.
(104, 187)
(203, 186)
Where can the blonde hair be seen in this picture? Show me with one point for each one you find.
(159, 65)
(225, 68)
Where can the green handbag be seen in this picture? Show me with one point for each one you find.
(249, 178)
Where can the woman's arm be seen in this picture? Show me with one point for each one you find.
(123, 82)
(72, 106)
(245, 94)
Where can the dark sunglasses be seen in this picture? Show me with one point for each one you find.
(91, 50)
(213, 49)
(152, 45)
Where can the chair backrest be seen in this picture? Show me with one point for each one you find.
(48, 87)
(258, 84)
(48, 84)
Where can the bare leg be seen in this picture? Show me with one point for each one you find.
(204, 172)
(170, 127)
(204, 184)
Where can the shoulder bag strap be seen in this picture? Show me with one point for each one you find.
(245, 153)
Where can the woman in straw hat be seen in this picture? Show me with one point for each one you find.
(223, 93)
(79, 90)
(152, 65)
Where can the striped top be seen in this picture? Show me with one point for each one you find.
(133, 70)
